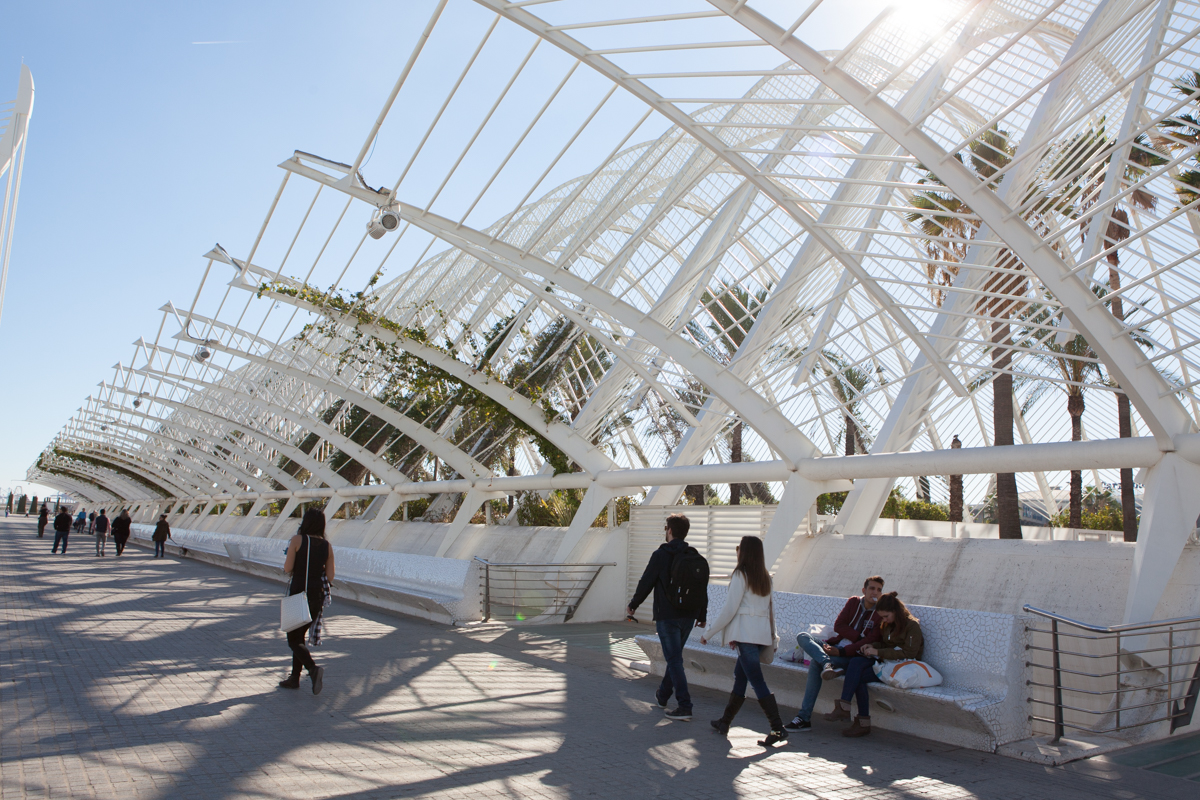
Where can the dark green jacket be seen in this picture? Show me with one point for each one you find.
(894, 645)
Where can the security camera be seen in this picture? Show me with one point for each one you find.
(385, 221)
(137, 403)
(203, 354)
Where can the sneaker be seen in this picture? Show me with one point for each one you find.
(318, 678)
(830, 672)
(290, 683)
(681, 714)
(798, 724)
(662, 701)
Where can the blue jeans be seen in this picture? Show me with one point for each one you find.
(859, 673)
(160, 549)
(60, 536)
(749, 668)
(673, 634)
(819, 658)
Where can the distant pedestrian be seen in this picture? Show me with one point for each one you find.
(91, 523)
(80, 520)
(162, 532)
(120, 530)
(747, 624)
(43, 520)
(101, 526)
(62, 529)
(678, 576)
(310, 563)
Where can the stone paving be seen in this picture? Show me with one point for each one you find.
(144, 678)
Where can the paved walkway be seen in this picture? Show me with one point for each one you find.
(137, 678)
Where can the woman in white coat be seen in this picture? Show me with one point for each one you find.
(747, 624)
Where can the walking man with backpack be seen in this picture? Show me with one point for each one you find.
(678, 576)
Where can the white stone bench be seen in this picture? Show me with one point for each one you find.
(981, 703)
(440, 589)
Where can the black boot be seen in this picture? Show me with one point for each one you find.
(778, 733)
(291, 682)
(731, 709)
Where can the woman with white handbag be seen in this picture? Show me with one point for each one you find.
(310, 563)
(900, 640)
(747, 624)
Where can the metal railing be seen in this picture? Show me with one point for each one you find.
(532, 593)
(1153, 677)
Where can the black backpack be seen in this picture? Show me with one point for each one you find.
(687, 582)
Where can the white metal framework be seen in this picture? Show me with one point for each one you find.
(14, 136)
(621, 240)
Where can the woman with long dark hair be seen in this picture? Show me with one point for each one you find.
(900, 639)
(747, 624)
(310, 563)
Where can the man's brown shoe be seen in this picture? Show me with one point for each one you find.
(861, 727)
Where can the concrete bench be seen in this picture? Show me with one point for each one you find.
(439, 589)
(981, 703)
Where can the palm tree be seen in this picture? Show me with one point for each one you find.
(949, 226)
(1078, 365)
(1081, 191)
(734, 310)
(1182, 132)
(849, 383)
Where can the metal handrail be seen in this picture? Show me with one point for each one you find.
(564, 604)
(1123, 628)
(1179, 708)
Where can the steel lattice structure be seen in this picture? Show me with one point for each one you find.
(768, 248)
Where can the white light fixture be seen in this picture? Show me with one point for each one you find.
(385, 221)
(203, 354)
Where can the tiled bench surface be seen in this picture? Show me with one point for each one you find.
(440, 587)
(980, 704)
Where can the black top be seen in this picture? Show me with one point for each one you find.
(120, 527)
(316, 567)
(656, 576)
(62, 523)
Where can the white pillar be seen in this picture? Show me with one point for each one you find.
(1169, 510)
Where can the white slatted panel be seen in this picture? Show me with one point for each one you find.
(715, 532)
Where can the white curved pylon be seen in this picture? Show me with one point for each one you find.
(12, 163)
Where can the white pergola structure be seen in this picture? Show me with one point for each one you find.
(14, 135)
(612, 251)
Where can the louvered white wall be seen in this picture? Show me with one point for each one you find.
(715, 531)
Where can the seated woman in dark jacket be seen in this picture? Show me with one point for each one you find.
(900, 639)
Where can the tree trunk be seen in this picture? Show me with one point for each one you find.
(735, 455)
(1124, 423)
(1128, 501)
(956, 488)
(851, 435)
(1008, 509)
(1075, 409)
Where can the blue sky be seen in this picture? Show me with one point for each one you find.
(146, 148)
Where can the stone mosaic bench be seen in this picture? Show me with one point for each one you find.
(981, 703)
(440, 589)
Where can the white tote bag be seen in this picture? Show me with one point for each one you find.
(293, 610)
(909, 674)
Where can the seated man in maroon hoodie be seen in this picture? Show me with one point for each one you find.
(854, 627)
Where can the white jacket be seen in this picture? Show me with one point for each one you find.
(745, 617)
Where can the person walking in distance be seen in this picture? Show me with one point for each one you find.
(43, 520)
(62, 529)
(91, 523)
(678, 576)
(310, 563)
(80, 521)
(856, 626)
(101, 532)
(120, 530)
(162, 532)
(747, 624)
